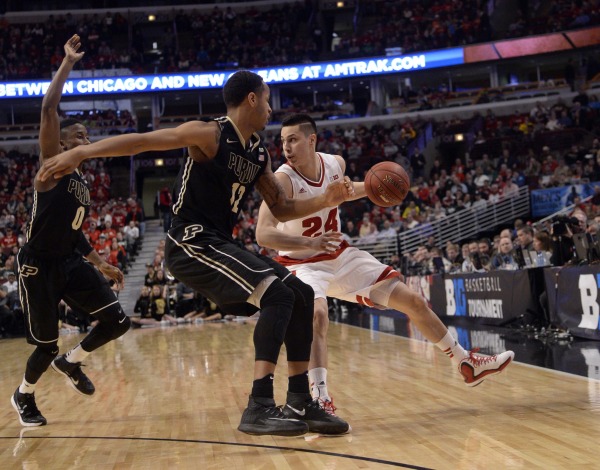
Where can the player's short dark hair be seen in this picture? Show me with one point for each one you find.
(306, 123)
(239, 86)
(68, 123)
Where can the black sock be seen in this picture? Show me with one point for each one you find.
(263, 388)
(298, 383)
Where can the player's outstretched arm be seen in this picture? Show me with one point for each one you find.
(202, 135)
(359, 187)
(50, 121)
(284, 208)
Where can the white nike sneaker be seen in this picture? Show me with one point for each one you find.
(476, 368)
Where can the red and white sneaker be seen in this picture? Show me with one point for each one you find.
(476, 368)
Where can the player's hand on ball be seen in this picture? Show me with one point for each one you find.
(336, 193)
(349, 186)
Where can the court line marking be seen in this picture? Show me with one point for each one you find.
(237, 444)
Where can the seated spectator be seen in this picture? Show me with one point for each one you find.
(541, 246)
(386, 232)
(365, 225)
(160, 278)
(438, 263)
(117, 256)
(132, 234)
(7, 316)
(156, 307)
(370, 237)
(504, 258)
(473, 261)
(150, 275)
(525, 237)
(186, 307)
(454, 257)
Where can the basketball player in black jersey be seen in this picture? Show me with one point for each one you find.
(51, 265)
(226, 160)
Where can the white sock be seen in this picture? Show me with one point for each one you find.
(317, 378)
(26, 387)
(77, 354)
(452, 348)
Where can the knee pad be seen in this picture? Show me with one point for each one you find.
(276, 306)
(302, 291)
(39, 361)
(112, 323)
(114, 320)
(299, 335)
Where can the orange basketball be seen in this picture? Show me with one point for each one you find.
(387, 184)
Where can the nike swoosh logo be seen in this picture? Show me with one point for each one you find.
(121, 321)
(301, 413)
(231, 141)
(76, 382)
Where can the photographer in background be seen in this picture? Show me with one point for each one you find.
(474, 262)
(561, 232)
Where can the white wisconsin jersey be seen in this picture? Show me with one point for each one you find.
(323, 221)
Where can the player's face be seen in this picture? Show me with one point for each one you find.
(263, 108)
(74, 136)
(296, 144)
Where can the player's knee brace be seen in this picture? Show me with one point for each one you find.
(115, 320)
(299, 335)
(39, 361)
(275, 312)
(112, 323)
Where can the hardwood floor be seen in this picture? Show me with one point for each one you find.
(173, 397)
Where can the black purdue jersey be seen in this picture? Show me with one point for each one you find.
(212, 193)
(56, 218)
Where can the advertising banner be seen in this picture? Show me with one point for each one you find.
(496, 297)
(573, 298)
(548, 201)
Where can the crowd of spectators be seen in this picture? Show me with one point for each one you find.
(226, 37)
(469, 182)
(106, 121)
(114, 227)
(466, 183)
(538, 17)
(163, 300)
(416, 26)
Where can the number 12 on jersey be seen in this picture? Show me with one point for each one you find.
(237, 191)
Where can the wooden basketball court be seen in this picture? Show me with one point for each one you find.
(173, 397)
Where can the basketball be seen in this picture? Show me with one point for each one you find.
(387, 184)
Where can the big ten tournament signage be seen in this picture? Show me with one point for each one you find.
(496, 297)
(574, 299)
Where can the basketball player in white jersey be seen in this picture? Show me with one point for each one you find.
(312, 248)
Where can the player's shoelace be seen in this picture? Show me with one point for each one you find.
(479, 360)
(327, 406)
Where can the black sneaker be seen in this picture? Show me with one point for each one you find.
(72, 370)
(263, 417)
(29, 415)
(301, 406)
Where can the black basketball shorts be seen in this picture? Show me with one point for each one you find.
(44, 282)
(217, 268)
